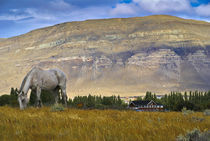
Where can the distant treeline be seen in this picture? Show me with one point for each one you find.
(83, 102)
(97, 102)
(175, 101)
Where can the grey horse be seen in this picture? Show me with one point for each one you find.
(39, 79)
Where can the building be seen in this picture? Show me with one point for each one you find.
(146, 105)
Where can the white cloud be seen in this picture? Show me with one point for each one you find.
(89, 13)
(147, 7)
(161, 6)
(38, 17)
(39, 14)
(60, 4)
(14, 10)
(60, 11)
(52, 11)
(13, 17)
(65, 12)
(124, 9)
(203, 10)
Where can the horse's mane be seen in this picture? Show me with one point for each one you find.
(25, 78)
(23, 82)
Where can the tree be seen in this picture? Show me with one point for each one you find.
(13, 97)
(148, 96)
(10, 100)
(4, 100)
(139, 98)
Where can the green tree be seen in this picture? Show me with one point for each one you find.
(13, 97)
(5, 100)
(139, 98)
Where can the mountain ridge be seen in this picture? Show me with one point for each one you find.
(169, 16)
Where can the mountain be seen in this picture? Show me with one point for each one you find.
(125, 56)
(1, 39)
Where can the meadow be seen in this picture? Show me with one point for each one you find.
(96, 125)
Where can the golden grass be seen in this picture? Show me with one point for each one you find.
(96, 125)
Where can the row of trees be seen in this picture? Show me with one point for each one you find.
(97, 102)
(175, 101)
(196, 101)
(85, 102)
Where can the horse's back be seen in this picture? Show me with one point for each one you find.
(60, 75)
(49, 78)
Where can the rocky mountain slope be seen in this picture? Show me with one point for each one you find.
(125, 56)
(1, 39)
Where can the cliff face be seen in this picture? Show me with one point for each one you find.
(114, 56)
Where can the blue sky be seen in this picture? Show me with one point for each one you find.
(21, 16)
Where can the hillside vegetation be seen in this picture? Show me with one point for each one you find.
(96, 125)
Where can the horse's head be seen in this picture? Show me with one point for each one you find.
(22, 99)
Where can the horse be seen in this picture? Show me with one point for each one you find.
(39, 79)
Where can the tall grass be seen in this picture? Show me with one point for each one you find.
(96, 125)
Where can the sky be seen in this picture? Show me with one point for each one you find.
(21, 16)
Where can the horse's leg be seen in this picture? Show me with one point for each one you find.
(64, 96)
(38, 93)
(56, 94)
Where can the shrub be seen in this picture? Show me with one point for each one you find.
(194, 135)
(4, 100)
(186, 112)
(206, 112)
(57, 108)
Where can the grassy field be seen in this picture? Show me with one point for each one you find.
(96, 125)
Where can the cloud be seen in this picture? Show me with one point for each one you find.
(71, 13)
(39, 14)
(180, 8)
(89, 13)
(203, 10)
(146, 7)
(60, 4)
(161, 6)
(57, 11)
(14, 10)
(123, 9)
(13, 17)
